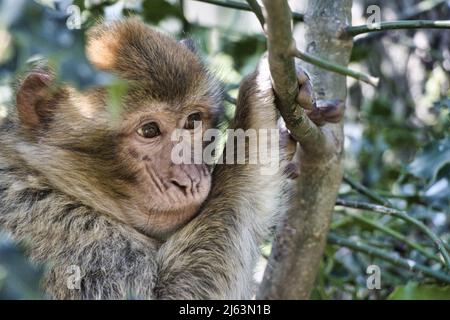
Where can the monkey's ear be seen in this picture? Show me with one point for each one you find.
(190, 44)
(102, 46)
(36, 99)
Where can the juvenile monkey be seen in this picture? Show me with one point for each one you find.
(80, 187)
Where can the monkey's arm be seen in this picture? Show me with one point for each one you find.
(214, 255)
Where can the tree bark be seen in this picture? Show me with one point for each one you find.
(301, 237)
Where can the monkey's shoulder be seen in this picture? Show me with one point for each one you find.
(58, 224)
(66, 236)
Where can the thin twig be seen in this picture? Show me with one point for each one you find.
(324, 64)
(401, 215)
(410, 14)
(419, 8)
(254, 5)
(367, 192)
(227, 97)
(381, 254)
(298, 17)
(352, 31)
(375, 197)
(392, 233)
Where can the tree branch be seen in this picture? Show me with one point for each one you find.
(298, 17)
(301, 236)
(400, 262)
(254, 6)
(373, 81)
(284, 77)
(401, 215)
(367, 192)
(410, 14)
(419, 8)
(352, 31)
(324, 64)
(392, 233)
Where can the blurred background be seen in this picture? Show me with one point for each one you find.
(397, 135)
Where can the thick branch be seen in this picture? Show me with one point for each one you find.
(284, 78)
(298, 17)
(352, 31)
(300, 240)
(400, 262)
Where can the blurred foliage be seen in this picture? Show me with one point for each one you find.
(18, 279)
(398, 147)
(397, 136)
(413, 291)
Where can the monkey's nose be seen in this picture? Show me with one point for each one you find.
(186, 178)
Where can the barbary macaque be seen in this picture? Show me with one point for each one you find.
(85, 190)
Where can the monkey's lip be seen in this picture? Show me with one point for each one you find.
(172, 218)
(181, 210)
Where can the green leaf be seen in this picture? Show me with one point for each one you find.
(414, 291)
(156, 10)
(431, 160)
(19, 279)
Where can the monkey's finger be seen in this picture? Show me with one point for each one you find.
(316, 116)
(288, 145)
(332, 110)
(281, 124)
(291, 147)
(305, 97)
(302, 76)
(284, 136)
(291, 170)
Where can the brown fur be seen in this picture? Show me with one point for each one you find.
(65, 189)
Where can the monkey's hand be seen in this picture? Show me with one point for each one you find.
(319, 112)
(288, 148)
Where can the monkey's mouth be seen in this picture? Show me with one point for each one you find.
(176, 202)
(164, 222)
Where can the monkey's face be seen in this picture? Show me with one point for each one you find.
(123, 164)
(170, 185)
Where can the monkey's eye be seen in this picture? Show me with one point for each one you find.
(149, 130)
(192, 118)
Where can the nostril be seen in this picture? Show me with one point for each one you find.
(180, 185)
